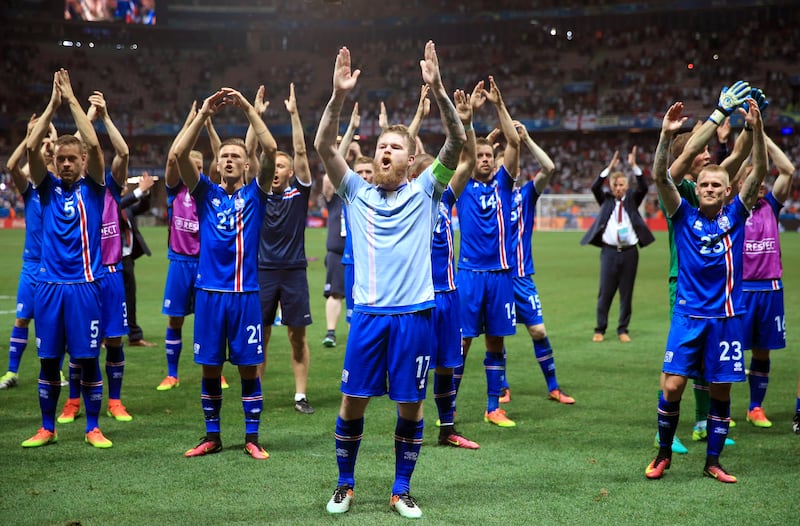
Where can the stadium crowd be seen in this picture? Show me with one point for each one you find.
(237, 216)
(608, 72)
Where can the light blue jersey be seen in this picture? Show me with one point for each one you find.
(711, 253)
(484, 213)
(230, 228)
(392, 233)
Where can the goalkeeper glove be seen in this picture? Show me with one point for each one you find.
(760, 99)
(730, 99)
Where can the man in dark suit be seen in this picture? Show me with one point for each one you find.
(617, 230)
(133, 246)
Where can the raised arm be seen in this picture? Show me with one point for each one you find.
(598, 185)
(783, 183)
(466, 164)
(171, 172)
(751, 185)
(729, 99)
(454, 130)
(733, 162)
(36, 164)
(383, 117)
(265, 139)
(667, 190)
(547, 165)
(216, 143)
(18, 175)
(344, 80)
(187, 139)
(251, 140)
(327, 188)
(423, 109)
(350, 132)
(511, 156)
(119, 165)
(301, 169)
(641, 184)
(94, 154)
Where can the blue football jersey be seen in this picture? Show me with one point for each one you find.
(523, 216)
(71, 220)
(711, 254)
(230, 227)
(283, 235)
(484, 214)
(443, 246)
(33, 225)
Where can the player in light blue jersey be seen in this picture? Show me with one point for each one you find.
(32, 253)
(68, 304)
(227, 313)
(705, 333)
(485, 259)
(391, 333)
(526, 297)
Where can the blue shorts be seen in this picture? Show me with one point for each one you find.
(115, 310)
(334, 275)
(707, 348)
(349, 282)
(764, 322)
(447, 324)
(179, 288)
(487, 304)
(26, 290)
(526, 301)
(396, 348)
(227, 321)
(68, 318)
(289, 288)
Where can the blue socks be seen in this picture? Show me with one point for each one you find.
(407, 443)
(348, 438)
(544, 355)
(252, 404)
(668, 415)
(49, 391)
(759, 381)
(92, 389)
(719, 419)
(16, 346)
(115, 367)
(444, 394)
(211, 399)
(494, 364)
(174, 345)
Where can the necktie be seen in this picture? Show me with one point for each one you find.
(619, 223)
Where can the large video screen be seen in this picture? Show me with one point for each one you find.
(126, 11)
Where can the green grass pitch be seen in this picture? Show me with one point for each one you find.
(582, 464)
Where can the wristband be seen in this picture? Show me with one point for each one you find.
(137, 193)
(717, 117)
